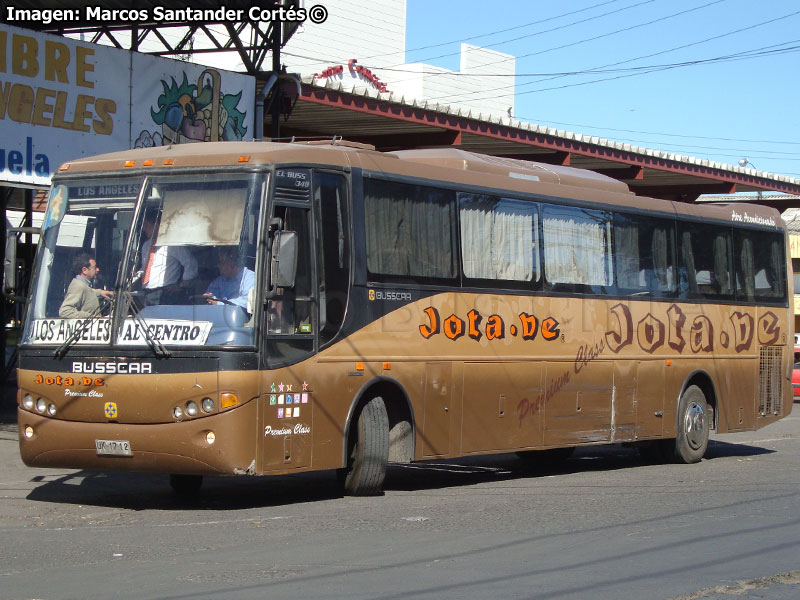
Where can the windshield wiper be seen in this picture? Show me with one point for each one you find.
(155, 344)
(80, 328)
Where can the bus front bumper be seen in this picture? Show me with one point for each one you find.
(182, 447)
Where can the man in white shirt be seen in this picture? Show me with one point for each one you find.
(234, 282)
(166, 268)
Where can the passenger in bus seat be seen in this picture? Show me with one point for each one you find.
(81, 299)
(234, 282)
(166, 271)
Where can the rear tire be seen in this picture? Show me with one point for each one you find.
(186, 486)
(367, 462)
(693, 426)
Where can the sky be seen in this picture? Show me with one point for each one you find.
(714, 79)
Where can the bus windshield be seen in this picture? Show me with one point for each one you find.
(138, 261)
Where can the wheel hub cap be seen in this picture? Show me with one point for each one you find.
(695, 425)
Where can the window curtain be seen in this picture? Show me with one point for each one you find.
(626, 254)
(497, 238)
(748, 284)
(409, 231)
(662, 269)
(688, 274)
(722, 276)
(576, 250)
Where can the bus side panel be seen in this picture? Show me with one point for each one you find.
(503, 406)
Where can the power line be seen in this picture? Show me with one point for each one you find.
(475, 37)
(464, 97)
(560, 27)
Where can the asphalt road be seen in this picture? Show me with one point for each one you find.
(602, 525)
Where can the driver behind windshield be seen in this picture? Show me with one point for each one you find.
(82, 300)
(234, 281)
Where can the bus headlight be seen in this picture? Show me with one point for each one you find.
(177, 412)
(208, 405)
(28, 402)
(192, 409)
(41, 405)
(51, 410)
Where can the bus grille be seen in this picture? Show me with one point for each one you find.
(770, 380)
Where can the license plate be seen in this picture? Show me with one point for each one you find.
(113, 447)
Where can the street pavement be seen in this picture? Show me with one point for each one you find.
(604, 524)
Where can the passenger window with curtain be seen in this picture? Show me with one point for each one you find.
(410, 231)
(644, 255)
(577, 249)
(705, 261)
(499, 239)
(760, 268)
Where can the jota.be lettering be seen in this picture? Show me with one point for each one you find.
(25, 56)
(454, 327)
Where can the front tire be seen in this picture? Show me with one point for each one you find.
(367, 464)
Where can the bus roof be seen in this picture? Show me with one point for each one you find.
(436, 164)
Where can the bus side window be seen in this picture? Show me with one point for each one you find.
(290, 311)
(758, 262)
(330, 198)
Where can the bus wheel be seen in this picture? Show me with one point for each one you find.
(693, 426)
(367, 466)
(186, 485)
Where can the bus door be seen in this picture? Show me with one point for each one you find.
(289, 323)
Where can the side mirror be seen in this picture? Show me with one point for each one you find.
(284, 259)
(10, 267)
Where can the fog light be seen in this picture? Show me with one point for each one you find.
(208, 405)
(51, 410)
(211, 437)
(192, 409)
(28, 431)
(28, 402)
(177, 412)
(41, 405)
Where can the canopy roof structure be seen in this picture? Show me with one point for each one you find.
(251, 40)
(391, 123)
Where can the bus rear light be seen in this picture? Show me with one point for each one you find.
(227, 400)
(28, 402)
(129, 163)
(28, 431)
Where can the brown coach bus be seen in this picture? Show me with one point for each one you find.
(369, 308)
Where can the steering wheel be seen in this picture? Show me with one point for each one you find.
(203, 299)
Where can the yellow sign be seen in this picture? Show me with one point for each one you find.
(794, 245)
(111, 410)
